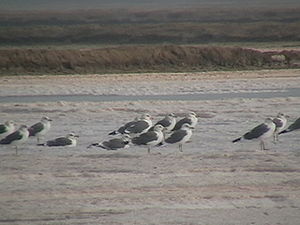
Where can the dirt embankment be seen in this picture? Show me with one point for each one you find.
(169, 58)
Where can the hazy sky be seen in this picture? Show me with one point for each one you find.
(92, 4)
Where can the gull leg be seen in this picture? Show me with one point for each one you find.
(180, 148)
(277, 137)
(148, 149)
(261, 144)
(16, 150)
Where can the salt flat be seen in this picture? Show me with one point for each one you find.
(212, 182)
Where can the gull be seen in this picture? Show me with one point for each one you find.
(191, 119)
(122, 129)
(260, 132)
(168, 122)
(7, 128)
(40, 129)
(280, 121)
(140, 126)
(150, 138)
(70, 140)
(16, 138)
(181, 135)
(114, 144)
(292, 127)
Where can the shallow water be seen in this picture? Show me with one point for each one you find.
(270, 93)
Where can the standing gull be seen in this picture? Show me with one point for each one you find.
(69, 140)
(191, 119)
(280, 121)
(114, 144)
(260, 132)
(168, 122)
(7, 128)
(150, 138)
(122, 129)
(292, 127)
(181, 135)
(139, 127)
(40, 129)
(16, 138)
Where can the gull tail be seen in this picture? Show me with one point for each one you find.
(161, 144)
(43, 144)
(113, 132)
(284, 131)
(236, 140)
(94, 144)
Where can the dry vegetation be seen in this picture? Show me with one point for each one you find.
(139, 59)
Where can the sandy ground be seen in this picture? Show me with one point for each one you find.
(148, 84)
(212, 182)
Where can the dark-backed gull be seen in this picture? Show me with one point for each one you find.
(191, 119)
(139, 127)
(294, 126)
(7, 128)
(260, 132)
(70, 140)
(40, 129)
(168, 122)
(280, 121)
(16, 138)
(181, 135)
(114, 144)
(122, 129)
(150, 138)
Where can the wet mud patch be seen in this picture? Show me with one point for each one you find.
(66, 216)
(274, 170)
(110, 171)
(36, 110)
(109, 156)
